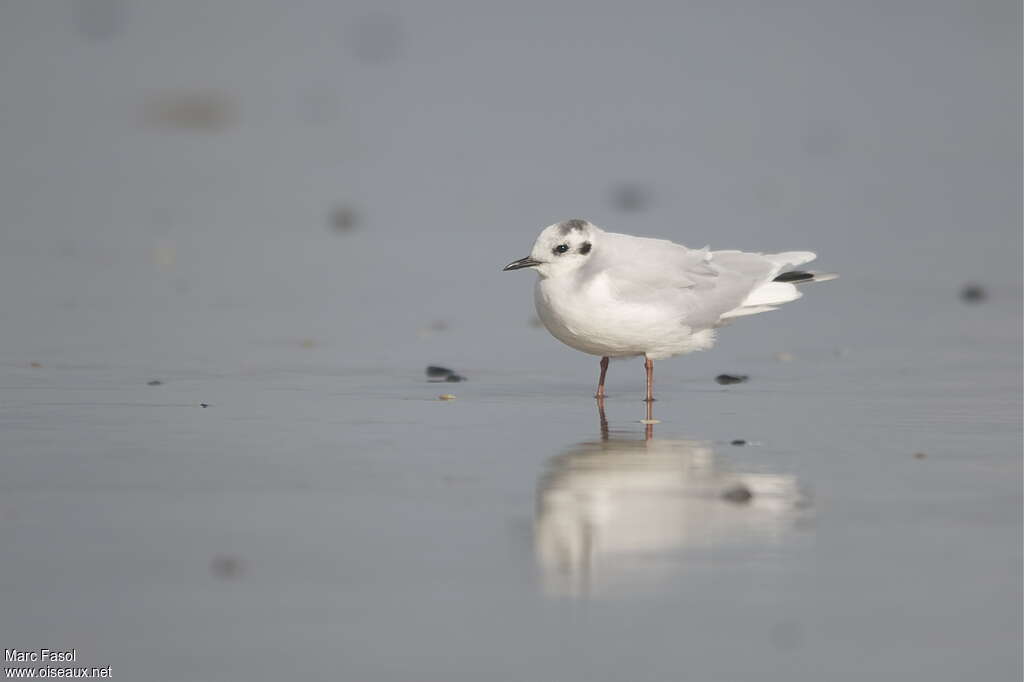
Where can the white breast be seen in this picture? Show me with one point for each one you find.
(590, 318)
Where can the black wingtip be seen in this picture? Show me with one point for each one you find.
(794, 276)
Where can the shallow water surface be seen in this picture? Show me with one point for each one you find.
(315, 521)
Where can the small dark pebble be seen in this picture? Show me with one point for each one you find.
(435, 372)
(454, 378)
(740, 494)
(726, 379)
(344, 218)
(191, 110)
(226, 567)
(154, 382)
(37, 365)
(919, 455)
(204, 404)
(738, 441)
(973, 293)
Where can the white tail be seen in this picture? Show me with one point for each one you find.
(771, 294)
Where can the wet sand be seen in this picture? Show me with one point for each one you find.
(317, 518)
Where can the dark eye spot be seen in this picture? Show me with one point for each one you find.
(585, 249)
(560, 249)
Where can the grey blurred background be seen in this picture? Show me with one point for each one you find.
(185, 162)
(285, 211)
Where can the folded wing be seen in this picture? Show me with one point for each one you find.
(705, 288)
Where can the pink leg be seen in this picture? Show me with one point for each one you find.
(649, 422)
(600, 382)
(649, 366)
(602, 418)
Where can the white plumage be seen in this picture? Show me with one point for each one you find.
(615, 295)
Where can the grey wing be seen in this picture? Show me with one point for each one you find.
(697, 284)
(737, 274)
(646, 270)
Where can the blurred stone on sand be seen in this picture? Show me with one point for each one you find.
(202, 111)
(344, 218)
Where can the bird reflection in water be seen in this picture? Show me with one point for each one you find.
(618, 513)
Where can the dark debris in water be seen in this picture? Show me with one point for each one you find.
(920, 455)
(973, 293)
(738, 441)
(204, 404)
(344, 219)
(154, 382)
(726, 379)
(438, 373)
(738, 494)
(208, 111)
(226, 567)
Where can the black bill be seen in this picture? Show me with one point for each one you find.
(521, 263)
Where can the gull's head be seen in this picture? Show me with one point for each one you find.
(560, 249)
